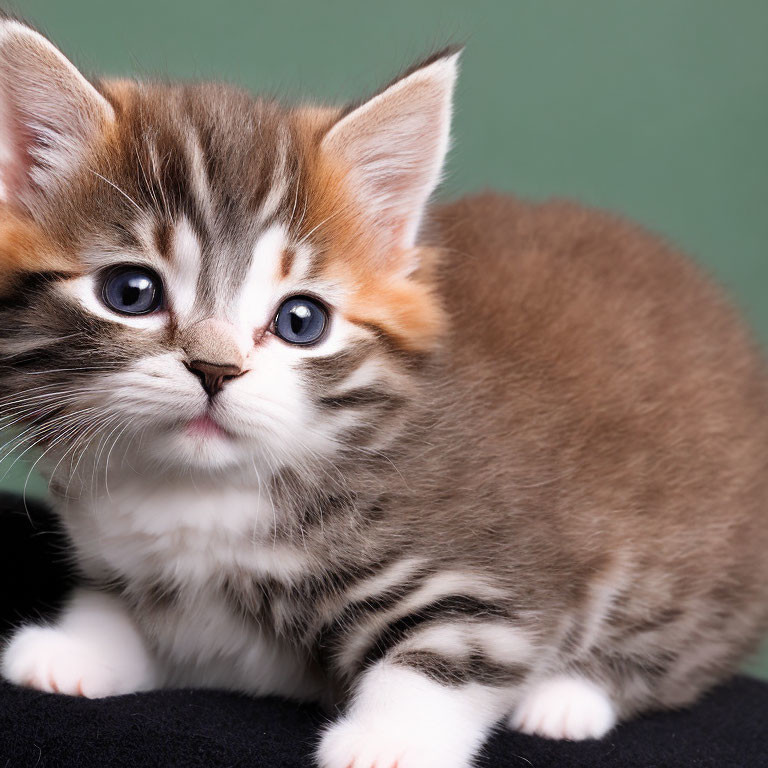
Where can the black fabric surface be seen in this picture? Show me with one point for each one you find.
(204, 728)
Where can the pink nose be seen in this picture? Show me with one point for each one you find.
(213, 377)
(213, 353)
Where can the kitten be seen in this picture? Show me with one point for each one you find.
(490, 462)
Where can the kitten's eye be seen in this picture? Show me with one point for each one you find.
(132, 290)
(300, 320)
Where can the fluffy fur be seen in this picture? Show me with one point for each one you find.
(522, 476)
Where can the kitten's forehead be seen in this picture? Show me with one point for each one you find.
(210, 150)
(206, 181)
(222, 162)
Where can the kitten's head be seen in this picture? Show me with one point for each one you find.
(219, 279)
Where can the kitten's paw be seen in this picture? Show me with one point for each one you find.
(401, 719)
(565, 708)
(352, 743)
(51, 660)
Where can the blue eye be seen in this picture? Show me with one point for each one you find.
(300, 320)
(132, 291)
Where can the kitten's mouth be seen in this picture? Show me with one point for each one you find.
(204, 426)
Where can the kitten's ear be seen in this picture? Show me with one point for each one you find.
(394, 147)
(49, 115)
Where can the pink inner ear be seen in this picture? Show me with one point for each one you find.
(51, 114)
(394, 146)
(23, 138)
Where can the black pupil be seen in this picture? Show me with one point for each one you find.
(300, 315)
(133, 290)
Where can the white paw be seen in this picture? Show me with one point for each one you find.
(352, 743)
(400, 719)
(565, 708)
(51, 660)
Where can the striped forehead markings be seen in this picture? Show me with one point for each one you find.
(279, 180)
(178, 162)
(163, 233)
(199, 180)
(184, 271)
(287, 260)
(195, 278)
(259, 289)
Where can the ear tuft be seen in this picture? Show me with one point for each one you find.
(49, 115)
(393, 148)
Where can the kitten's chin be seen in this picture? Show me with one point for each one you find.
(202, 447)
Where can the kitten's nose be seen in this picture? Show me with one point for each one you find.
(213, 353)
(212, 376)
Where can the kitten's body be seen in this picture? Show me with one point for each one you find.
(524, 475)
(541, 485)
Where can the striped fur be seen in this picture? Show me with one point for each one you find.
(514, 477)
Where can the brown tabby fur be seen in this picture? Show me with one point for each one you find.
(637, 418)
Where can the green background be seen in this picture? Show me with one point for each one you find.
(655, 108)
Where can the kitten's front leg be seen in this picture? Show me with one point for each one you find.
(400, 718)
(93, 650)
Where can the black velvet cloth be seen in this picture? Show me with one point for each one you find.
(210, 729)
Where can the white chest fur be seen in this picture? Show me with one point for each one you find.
(184, 534)
(187, 540)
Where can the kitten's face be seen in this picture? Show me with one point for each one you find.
(206, 280)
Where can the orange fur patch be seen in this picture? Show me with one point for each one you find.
(25, 248)
(405, 307)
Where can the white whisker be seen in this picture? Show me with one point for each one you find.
(122, 192)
